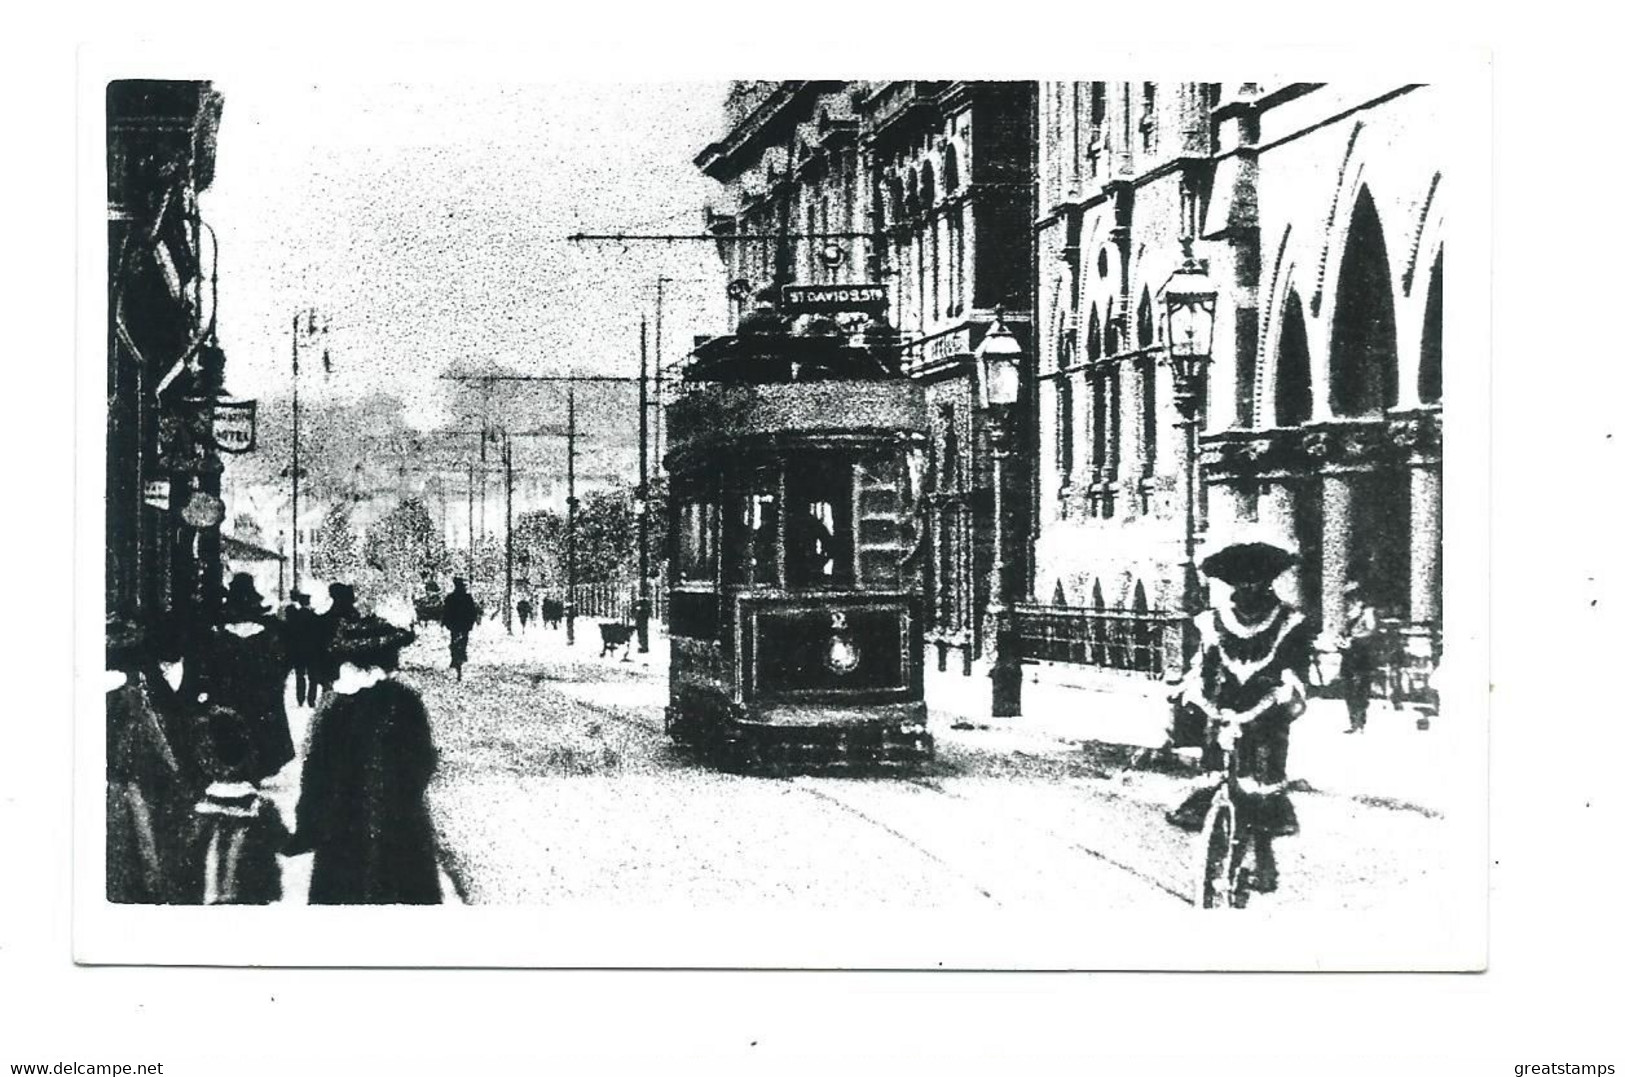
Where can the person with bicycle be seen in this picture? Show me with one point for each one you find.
(1244, 687)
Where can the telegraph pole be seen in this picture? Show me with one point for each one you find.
(296, 451)
(660, 398)
(570, 527)
(507, 590)
(643, 608)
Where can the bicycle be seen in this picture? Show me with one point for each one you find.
(1227, 867)
(1224, 875)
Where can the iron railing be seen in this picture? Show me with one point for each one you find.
(1137, 641)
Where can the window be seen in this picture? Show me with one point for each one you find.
(950, 169)
(697, 541)
(1148, 116)
(818, 527)
(1063, 428)
(753, 528)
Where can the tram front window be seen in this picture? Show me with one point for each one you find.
(753, 533)
(817, 533)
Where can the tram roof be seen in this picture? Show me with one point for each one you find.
(725, 418)
(764, 358)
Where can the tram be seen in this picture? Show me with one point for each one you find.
(794, 603)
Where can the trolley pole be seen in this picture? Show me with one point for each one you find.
(641, 617)
(471, 523)
(570, 525)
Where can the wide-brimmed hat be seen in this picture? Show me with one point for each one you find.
(1247, 558)
(1353, 587)
(243, 601)
(365, 640)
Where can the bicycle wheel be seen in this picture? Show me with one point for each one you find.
(1215, 878)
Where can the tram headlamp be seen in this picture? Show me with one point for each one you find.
(842, 655)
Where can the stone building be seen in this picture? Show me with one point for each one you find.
(164, 369)
(925, 189)
(1318, 210)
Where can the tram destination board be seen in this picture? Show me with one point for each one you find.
(832, 298)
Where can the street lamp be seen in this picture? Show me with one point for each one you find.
(1189, 299)
(999, 359)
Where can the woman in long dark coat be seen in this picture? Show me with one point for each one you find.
(361, 807)
(245, 671)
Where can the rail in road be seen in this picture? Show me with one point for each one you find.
(974, 839)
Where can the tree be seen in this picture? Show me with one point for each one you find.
(334, 553)
(405, 548)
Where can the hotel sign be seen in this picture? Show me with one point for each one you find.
(832, 298)
(233, 426)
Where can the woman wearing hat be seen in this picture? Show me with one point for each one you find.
(245, 671)
(1247, 679)
(147, 780)
(361, 805)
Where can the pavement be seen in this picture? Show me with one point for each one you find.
(1393, 760)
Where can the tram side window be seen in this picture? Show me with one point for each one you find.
(697, 541)
(818, 529)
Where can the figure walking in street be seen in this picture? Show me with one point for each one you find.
(1249, 671)
(237, 829)
(1357, 652)
(246, 671)
(523, 609)
(460, 618)
(341, 608)
(361, 807)
(150, 779)
(302, 636)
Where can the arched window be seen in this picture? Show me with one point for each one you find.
(894, 194)
(911, 207)
(1364, 356)
(1430, 383)
(1063, 428)
(1112, 347)
(1293, 402)
(1144, 323)
(928, 187)
(950, 169)
(1093, 345)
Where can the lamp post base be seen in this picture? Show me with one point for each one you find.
(1006, 673)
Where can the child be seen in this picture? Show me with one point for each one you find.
(238, 830)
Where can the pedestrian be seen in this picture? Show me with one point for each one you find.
(460, 617)
(246, 671)
(523, 609)
(1247, 680)
(237, 830)
(148, 786)
(302, 636)
(1357, 654)
(361, 806)
(341, 607)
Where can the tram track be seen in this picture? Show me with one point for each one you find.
(936, 787)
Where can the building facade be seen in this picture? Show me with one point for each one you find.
(923, 188)
(1318, 211)
(164, 369)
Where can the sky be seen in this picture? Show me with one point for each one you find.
(427, 223)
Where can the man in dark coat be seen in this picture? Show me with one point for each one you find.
(460, 618)
(302, 636)
(245, 671)
(342, 608)
(148, 790)
(361, 804)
